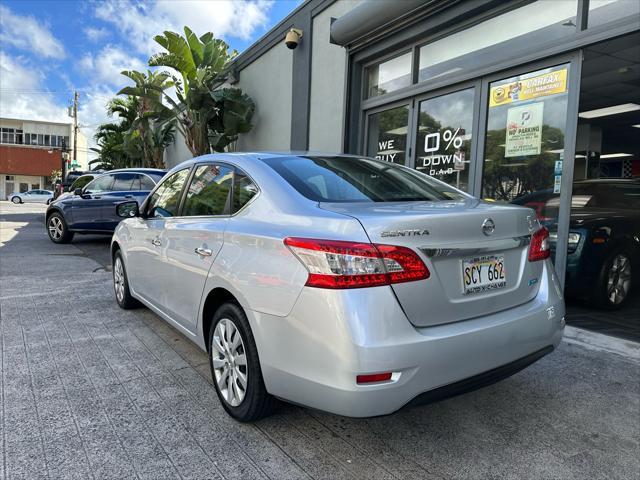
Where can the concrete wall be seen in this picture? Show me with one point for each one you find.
(177, 152)
(328, 70)
(268, 81)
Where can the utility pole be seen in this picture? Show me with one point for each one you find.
(75, 128)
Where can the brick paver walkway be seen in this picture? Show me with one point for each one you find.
(92, 391)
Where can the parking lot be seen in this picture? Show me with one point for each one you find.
(92, 391)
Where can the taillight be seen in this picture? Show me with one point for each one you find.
(339, 264)
(539, 247)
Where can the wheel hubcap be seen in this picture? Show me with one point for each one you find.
(55, 228)
(619, 279)
(118, 279)
(229, 362)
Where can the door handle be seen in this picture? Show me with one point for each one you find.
(128, 196)
(97, 196)
(156, 242)
(205, 252)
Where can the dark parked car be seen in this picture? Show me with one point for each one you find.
(66, 185)
(603, 256)
(91, 209)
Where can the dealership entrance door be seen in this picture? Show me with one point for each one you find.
(603, 263)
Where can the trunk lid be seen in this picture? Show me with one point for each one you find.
(448, 236)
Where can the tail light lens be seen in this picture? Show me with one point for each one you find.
(338, 264)
(539, 249)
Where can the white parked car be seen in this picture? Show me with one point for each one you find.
(32, 196)
(342, 283)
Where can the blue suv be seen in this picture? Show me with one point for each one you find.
(92, 209)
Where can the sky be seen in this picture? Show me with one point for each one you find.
(51, 48)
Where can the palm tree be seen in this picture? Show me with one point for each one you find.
(152, 128)
(208, 119)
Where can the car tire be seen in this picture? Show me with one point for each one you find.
(16, 200)
(233, 358)
(121, 284)
(615, 280)
(57, 229)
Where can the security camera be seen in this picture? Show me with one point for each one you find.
(293, 38)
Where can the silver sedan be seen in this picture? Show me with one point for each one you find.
(32, 196)
(341, 283)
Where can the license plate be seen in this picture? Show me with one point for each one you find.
(483, 274)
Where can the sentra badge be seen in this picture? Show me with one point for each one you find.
(405, 233)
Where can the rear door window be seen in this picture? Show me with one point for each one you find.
(123, 182)
(243, 190)
(209, 192)
(146, 183)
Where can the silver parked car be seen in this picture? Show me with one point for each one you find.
(32, 196)
(342, 283)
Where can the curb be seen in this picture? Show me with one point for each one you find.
(602, 343)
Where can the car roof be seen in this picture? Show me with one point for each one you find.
(157, 171)
(596, 181)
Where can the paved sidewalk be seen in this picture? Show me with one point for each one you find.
(92, 391)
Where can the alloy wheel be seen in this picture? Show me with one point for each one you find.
(118, 279)
(16, 200)
(56, 229)
(619, 279)
(229, 362)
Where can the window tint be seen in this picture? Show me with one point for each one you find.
(607, 195)
(166, 199)
(146, 183)
(209, 191)
(123, 182)
(80, 182)
(243, 190)
(100, 184)
(348, 179)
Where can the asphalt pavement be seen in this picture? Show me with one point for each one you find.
(92, 391)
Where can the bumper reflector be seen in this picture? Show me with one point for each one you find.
(374, 378)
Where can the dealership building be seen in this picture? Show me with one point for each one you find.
(498, 98)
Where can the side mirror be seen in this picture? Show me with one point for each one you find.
(127, 209)
(77, 191)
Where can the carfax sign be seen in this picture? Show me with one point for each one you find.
(529, 88)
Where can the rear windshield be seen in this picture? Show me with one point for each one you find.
(349, 179)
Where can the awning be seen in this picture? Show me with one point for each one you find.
(369, 16)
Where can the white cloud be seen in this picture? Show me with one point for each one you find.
(105, 66)
(26, 33)
(95, 34)
(140, 22)
(93, 112)
(22, 94)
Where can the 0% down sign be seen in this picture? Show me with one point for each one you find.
(432, 140)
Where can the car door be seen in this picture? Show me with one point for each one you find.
(192, 240)
(120, 192)
(87, 208)
(145, 249)
(41, 196)
(29, 197)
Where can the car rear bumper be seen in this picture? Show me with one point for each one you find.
(312, 356)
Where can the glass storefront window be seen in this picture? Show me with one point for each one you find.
(524, 143)
(387, 135)
(605, 11)
(506, 34)
(389, 76)
(444, 137)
